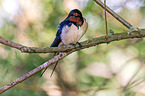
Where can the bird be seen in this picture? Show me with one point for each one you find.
(70, 30)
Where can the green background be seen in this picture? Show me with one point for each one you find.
(103, 70)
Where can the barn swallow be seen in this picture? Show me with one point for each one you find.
(70, 31)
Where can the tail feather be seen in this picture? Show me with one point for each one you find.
(54, 68)
(47, 67)
(55, 43)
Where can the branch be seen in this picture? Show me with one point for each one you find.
(85, 44)
(116, 16)
(34, 71)
(11, 44)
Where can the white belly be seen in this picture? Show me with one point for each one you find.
(71, 34)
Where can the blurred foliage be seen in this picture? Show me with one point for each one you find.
(104, 70)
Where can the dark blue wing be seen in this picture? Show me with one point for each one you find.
(57, 39)
(62, 24)
(56, 42)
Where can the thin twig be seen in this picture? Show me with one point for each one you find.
(119, 18)
(131, 82)
(106, 26)
(137, 82)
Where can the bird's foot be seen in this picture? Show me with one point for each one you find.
(79, 44)
(73, 45)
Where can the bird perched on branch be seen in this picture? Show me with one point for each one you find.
(70, 30)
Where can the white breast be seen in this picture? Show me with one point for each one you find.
(71, 34)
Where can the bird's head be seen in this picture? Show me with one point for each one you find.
(76, 16)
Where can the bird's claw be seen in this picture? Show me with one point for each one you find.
(79, 44)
